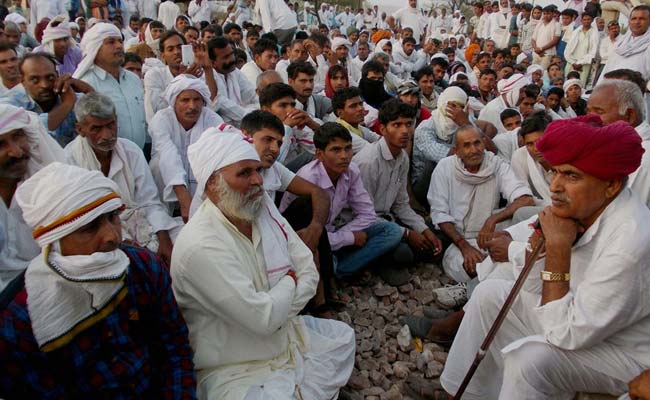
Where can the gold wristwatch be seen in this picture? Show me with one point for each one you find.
(548, 276)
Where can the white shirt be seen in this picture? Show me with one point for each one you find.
(450, 198)
(201, 12)
(170, 141)
(236, 96)
(492, 113)
(275, 14)
(19, 247)
(156, 81)
(45, 9)
(606, 48)
(148, 8)
(639, 180)
(411, 18)
(251, 71)
(167, 13)
(281, 68)
(635, 62)
(545, 33)
(240, 329)
(276, 179)
(582, 46)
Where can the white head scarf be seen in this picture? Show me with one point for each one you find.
(43, 149)
(51, 33)
(510, 88)
(15, 18)
(154, 44)
(532, 68)
(379, 47)
(186, 82)
(340, 41)
(58, 286)
(571, 82)
(91, 43)
(521, 57)
(219, 147)
(445, 126)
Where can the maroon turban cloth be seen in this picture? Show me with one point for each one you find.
(606, 152)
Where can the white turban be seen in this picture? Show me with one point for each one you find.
(340, 41)
(510, 88)
(56, 201)
(51, 33)
(61, 198)
(571, 82)
(445, 126)
(521, 57)
(217, 148)
(440, 55)
(91, 43)
(533, 68)
(43, 149)
(15, 18)
(186, 82)
(74, 25)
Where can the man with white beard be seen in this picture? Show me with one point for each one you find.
(27, 147)
(241, 276)
(172, 130)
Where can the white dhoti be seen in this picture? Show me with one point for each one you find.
(452, 262)
(520, 364)
(319, 372)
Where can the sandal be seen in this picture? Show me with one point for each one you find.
(423, 388)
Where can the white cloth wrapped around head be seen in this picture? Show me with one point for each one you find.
(340, 41)
(15, 18)
(445, 126)
(521, 57)
(57, 28)
(511, 87)
(61, 198)
(186, 82)
(91, 42)
(534, 68)
(217, 148)
(43, 149)
(571, 82)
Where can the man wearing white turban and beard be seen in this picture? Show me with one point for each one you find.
(93, 319)
(241, 276)
(172, 130)
(101, 67)
(25, 148)
(509, 97)
(144, 221)
(58, 41)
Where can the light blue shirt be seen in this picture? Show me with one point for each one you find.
(128, 97)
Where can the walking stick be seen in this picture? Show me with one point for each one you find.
(480, 354)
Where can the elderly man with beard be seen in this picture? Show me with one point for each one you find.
(101, 67)
(51, 96)
(58, 42)
(241, 276)
(25, 147)
(157, 79)
(236, 95)
(172, 131)
(620, 100)
(144, 221)
(93, 319)
(580, 320)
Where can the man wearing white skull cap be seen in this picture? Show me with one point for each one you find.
(241, 276)
(172, 130)
(26, 148)
(101, 67)
(93, 319)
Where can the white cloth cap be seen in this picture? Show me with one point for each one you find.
(47, 197)
(43, 149)
(521, 57)
(62, 30)
(91, 42)
(340, 41)
(15, 18)
(510, 88)
(533, 68)
(571, 82)
(217, 148)
(440, 55)
(186, 82)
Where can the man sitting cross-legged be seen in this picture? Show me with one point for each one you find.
(97, 147)
(384, 167)
(241, 276)
(582, 315)
(93, 319)
(359, 239)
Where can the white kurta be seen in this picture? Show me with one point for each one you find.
(492, 113)
(247, 337)
(145, 215)
(538, 180)
(639, 180)
(167, 13)
(277, 179)
(593, 339)
(19, 247)
(236, 97)
(507, 143)
(156, 81)
(148, 8)
(251, 71)
(636, 62)
(169, 163)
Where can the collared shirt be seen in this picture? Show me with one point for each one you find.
(128, 96)
(427, 147)
(276, 179)
(545, 33)
(385, 178)
(449, 198)
(64, 133)
(361, 135)
(139, 350)
(348, 192)
(251, 71)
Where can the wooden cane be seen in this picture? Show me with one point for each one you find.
(528, 265)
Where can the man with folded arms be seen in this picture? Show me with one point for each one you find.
(581, 320)
(93, 319)
(241, 276)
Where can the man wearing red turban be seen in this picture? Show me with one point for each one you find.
(581, 322)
